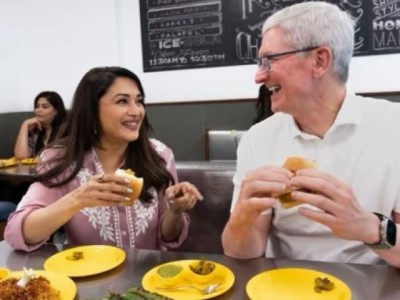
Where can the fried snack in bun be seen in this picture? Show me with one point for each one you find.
(135, 184)
(293, 164)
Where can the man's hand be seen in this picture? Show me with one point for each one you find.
(336, 206)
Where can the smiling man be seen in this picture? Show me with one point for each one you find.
(350, 203)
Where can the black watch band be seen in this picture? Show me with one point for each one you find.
(387, 233)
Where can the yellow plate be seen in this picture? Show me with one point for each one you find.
(59, 282)
(96, 259)
(293, 283)
(8, 162)
(30, 161)
(223, 275)
(4, 273)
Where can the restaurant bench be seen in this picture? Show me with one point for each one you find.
(208, 218)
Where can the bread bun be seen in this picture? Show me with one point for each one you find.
(293, 164)
(135, 184)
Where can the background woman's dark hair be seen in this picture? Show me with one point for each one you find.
(57, 102)
(263, 105)
(81, 134)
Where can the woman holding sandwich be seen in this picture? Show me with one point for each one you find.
(80, 185)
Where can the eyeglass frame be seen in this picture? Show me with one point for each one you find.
(264, 63)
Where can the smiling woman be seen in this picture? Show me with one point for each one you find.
(121, 111)
(77, 186)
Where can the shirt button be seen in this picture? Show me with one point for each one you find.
(123, 232)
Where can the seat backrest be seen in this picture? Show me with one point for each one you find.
(208, 218)
(222, 144)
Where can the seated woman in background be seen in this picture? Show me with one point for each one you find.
(263, 105)
(37, 132)
(77, 186)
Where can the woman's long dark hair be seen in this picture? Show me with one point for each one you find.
(80, 135)
(57, 102)
(263, 105)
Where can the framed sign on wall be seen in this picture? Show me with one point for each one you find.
(184, 34)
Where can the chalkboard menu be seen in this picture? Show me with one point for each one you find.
(183, 34)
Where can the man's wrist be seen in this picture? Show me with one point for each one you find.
(387, 233)
(238, 220)
(373, 235)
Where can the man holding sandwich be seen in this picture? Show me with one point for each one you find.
(347, 183)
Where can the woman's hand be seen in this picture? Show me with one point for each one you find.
(22, 148)
(182, 196)
(33, 124)
(102, 190)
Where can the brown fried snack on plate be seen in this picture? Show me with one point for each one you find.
(38, 288)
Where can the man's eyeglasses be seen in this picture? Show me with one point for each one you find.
(264, 63)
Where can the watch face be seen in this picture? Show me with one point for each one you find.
(387, 232)
(391, 233)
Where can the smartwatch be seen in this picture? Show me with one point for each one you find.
(387, 233)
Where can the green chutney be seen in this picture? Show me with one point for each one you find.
(169, 271)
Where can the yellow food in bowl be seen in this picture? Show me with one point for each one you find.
(203, 271)
(169, 274)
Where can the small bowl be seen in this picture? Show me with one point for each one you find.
(169, 274)
(202, 271)
(4, 273)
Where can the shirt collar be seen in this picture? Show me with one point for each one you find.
(348, 115)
